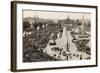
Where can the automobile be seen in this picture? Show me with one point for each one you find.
(52, 42)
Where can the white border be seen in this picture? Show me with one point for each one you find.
(21, 65)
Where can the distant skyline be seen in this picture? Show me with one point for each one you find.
(55, 15)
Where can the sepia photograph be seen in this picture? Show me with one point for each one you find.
(47, 36)
(56, 36)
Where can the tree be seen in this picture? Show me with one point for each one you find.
(26, 25)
